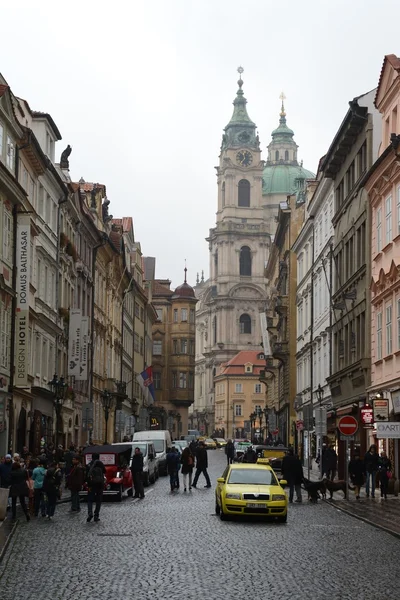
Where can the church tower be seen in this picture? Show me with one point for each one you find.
(230, 304)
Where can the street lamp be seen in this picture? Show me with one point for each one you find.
(260, 414)
(320, 393)
(252, 424)
(59, 388)
(107, 400)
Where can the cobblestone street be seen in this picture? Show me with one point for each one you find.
(174, 546)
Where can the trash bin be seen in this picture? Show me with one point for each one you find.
(3, 503)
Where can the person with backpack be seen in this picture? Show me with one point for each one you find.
(38, 475)
(51, 486)
(95, 480)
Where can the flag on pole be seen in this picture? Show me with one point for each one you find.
(145, 380)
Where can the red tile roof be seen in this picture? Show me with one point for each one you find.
(125, 222)
(395, 62)
(236, 366)
(88, 187)
(161, 290)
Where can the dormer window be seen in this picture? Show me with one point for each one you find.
(261, 356)
(248, 368)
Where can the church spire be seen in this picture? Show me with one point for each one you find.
(282, 132)
(240, 130)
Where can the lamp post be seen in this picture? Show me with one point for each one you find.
(260, 414)
(265, 411)
(59, 388)
(252, 424)
(107, 400)
(320, 396)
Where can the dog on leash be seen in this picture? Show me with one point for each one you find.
(313, 489)
(336, 486)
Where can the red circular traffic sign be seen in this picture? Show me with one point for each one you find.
(348, 425)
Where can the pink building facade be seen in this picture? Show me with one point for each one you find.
(383, 187)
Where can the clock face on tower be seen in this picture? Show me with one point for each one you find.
(244, 158)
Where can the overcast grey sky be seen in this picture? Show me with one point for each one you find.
(142, 91)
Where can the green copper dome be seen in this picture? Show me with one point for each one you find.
(284, 179)
(240, 131)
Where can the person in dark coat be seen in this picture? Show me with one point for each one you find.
(230, 451)
(357, 473)
(95, 478)
(51, 487)
(187, 460)
(76, 479)
(173, 468)
(292, 471)
(18, 489)
(371, 468)
(330, 463)
(250, 456)
(137, 473)
(201, 465)
(385, 472)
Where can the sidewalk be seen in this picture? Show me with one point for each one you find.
(7, 528)
(384, 514)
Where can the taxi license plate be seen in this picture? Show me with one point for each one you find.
(254, 505)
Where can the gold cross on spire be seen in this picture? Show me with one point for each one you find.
(283, 98)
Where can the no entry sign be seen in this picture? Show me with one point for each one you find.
(348, 425)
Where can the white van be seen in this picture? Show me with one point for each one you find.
(150, 462)
(161, 440)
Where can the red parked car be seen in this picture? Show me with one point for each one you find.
(116, 459)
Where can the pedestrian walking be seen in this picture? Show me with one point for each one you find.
(51, 486)
(18, 489)
(357, 473)
(230, 451)
(39, 503)
(385, 473)
(292, 471)
(95, 478)
(330, 463)
(137, 473)
(187, 460)
(173, 468)
(371, 469)
(75, 481)
(201, 465)
(5, 475)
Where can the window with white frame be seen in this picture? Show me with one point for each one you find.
(175, 315)
(183, 380)
(389, 329)
(184, 314)
(10, 155)
(238, 410)
(257, 388)
(398, 211)
(388, 220)
(157, 347)
(238, 388)
(159, 312)
(7, 235)
(379, 335)
(379, 230)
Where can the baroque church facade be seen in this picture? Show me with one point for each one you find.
(250, 191)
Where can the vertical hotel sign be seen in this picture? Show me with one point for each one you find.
(83, 366)
(23, 261)
(74, 342)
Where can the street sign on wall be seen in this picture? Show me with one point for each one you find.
(388, 430)
(367, 415)
(381, 409)
(348, 425)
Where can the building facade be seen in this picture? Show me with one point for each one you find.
(281, 272)
(351, 154)
(173, 355)
(239, 395)
(383, 187)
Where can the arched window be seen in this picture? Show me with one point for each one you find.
(245, 261)
(277, 155)
(286, 154)
(223, 193)
(244, 324)
(244, 193)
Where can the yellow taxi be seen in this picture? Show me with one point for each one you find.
(250, 489)
(210, 444)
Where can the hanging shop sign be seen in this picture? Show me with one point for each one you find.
(388, 430)
(381, 409)
(367, 415)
